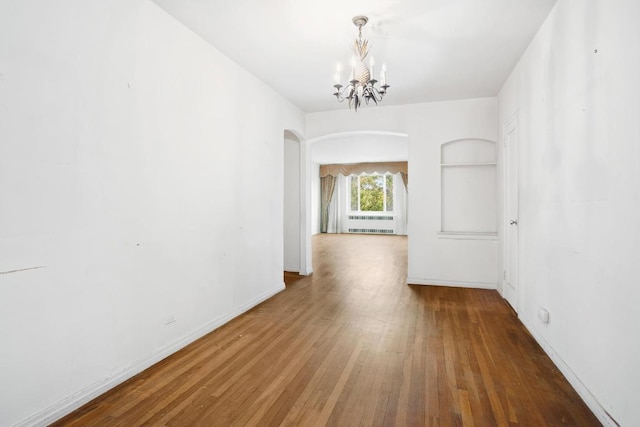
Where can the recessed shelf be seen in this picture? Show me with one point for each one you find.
(468, 190)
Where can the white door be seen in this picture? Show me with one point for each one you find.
(510, 284)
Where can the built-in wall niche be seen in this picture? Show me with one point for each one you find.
(468, 188)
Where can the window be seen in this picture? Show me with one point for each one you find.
(371, 193)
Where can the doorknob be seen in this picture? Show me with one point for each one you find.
(513, 222)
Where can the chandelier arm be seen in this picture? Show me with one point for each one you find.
(345, 92)
(373, 97)
(377, 96)
(338, 92)
(371, 92)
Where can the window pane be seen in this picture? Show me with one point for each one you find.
(371, 193)
(354, 193)
(389, 194)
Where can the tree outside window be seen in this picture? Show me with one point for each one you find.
(372, 193)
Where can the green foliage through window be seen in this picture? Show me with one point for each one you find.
(372, 193)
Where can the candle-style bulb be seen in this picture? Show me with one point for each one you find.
(336, 77)
(383, 74)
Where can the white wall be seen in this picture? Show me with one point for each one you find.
(576, 92)
(360, 147)
(131, 169)
(291, 203)
(432, 260)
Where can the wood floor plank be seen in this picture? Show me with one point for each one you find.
(353, 345)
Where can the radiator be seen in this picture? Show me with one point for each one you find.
(371, 224)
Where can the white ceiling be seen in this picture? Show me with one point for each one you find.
(434, 49)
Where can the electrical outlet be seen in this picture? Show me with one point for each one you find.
(543, 315)
(170, 319)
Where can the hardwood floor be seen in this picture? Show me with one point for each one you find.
(353, 345)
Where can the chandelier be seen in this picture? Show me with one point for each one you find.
(361, 85)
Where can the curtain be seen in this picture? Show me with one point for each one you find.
(338, 207)
(405, 180)
(327, 186)
(359, 168)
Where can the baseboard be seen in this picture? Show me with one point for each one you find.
(261, 298)
(76, 400)
(582, 390)
(450, 283)
(308, 272)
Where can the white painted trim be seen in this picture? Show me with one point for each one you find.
(308, 272)
(500, 288)
(76, 400)
(582, 390)
(450, 283)
(306, 252)
(259, 299)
